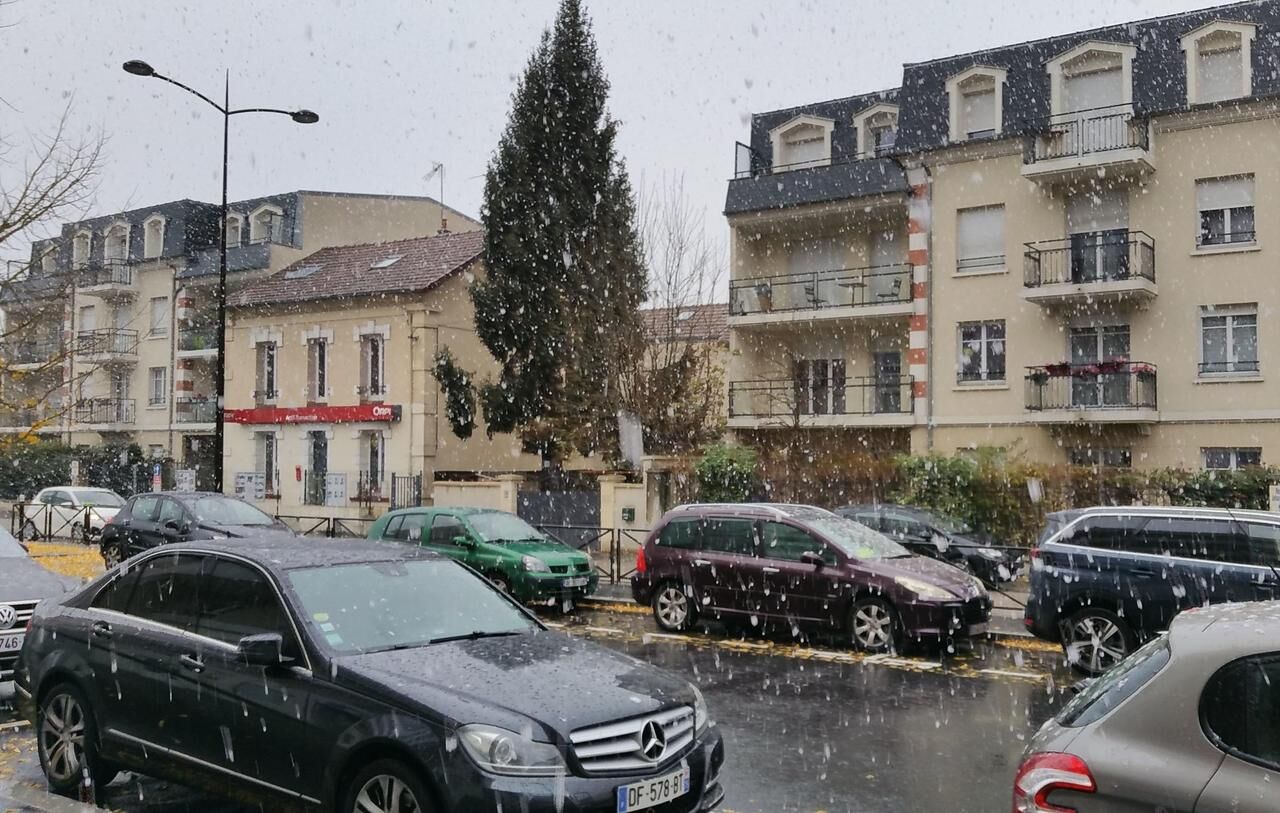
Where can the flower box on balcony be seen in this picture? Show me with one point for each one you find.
(1058, 370)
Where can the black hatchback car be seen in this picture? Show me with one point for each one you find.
(162, 517)
(1105, 579)
(940, 537)
(352, 676)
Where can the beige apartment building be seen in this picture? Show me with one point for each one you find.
(332, 405)
(118, 313)
(1058, 248)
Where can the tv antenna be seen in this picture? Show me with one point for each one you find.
(437, 168)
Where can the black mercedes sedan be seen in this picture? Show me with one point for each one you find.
(161, 517)
(351, 676)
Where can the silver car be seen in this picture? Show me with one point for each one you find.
(1188, 723)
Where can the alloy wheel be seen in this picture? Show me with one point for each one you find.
(386, 794)
(672, 606)
(111, 556)
(500, 583)
(1096, 643)
(872, 626)
(62, 730)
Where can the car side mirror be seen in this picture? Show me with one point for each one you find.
(263, 649)
(814, 558)
(940, 542)
(179, 528)
(464, 542)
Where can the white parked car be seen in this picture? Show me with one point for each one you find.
(69, 507)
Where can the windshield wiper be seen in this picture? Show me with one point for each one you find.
(472, 636)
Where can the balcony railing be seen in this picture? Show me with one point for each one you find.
(1082, 133)
(195, 410)
(103, 411)
(106, 272)
(107, 341)
(194, 339)
(1101, 256)
(841, 287)
(35, 351)
(863, 395)
(1103, 385)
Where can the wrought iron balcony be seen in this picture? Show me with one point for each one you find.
(100, 275)
(100, 411)
(1108, 390)
(1113, 264)
(1067, 144)
(821, 290)
(838, 401)
(195, 410)
(108, 344)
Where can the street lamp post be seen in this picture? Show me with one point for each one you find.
(139, 68)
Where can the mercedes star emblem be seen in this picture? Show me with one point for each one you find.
(8, 615)
(653, 741)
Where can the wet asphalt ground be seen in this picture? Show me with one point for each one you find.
(809, 726)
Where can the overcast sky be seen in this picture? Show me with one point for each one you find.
(401, 84)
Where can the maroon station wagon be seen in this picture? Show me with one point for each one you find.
(803, 566)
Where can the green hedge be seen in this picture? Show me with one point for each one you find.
(27, 468)
(986, 490)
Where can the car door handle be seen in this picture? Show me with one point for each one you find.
(770, 570)
(101, 629)
(191, 662)
(1143, 573)
(701, 562)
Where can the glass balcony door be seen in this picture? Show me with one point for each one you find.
(1100, 347)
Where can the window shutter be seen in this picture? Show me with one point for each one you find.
(980, 236)
(1224, 193)
(978, 111)
(1087, 212)
(1088, 91)
(1220, 74)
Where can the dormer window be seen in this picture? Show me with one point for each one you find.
(977, 103)
(877, 128)
(804, 141)
(153, 237)
(266, 225)
(116, 246)
(235, 230)
(1219, 62)
(1092, 76)
(80, 245)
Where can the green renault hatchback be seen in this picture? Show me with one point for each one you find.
(517, 557)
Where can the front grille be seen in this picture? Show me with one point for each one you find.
(559, 568)
(617, 747)
(25, 610)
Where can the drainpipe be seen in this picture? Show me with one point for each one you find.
(928, 325)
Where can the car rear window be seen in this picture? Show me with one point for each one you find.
(1117, 685)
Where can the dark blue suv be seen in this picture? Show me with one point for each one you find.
(1105, 579)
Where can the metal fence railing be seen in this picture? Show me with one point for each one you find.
(107, 341)
(1099, 385)
(331, 527)
(1082, 133)
(1101, 256)
(34, 521)
(814, 290)
(612, 550)
(830, 395)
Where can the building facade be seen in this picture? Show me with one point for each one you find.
(1057, 248)
(332, 405)
(112, 332)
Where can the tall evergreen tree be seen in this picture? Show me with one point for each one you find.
(559, 306)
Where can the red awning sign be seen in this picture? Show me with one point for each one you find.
(360, 413)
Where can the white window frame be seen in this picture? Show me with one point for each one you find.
(157, 397)
(275, 233)
(985, 373)
(85, 238)
(1191, 50)
(238, 222)
(318, 384)
(1230, 311)
(1226, 214)
(153, 247)
(997, 262)
(777, 137)
(956, 96)
(1059, 67)
(161, 329)
(862, 124)
(1233, 454)
(111, 234)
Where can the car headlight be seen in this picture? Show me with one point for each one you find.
(505, 752)
(701, 719)
(534, 565)
(924, 589)
(991, 553)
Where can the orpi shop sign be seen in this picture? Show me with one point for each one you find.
(360, 413)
